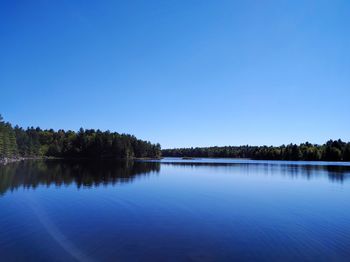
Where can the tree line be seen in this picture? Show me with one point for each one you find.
(332, 150)
(86, 143)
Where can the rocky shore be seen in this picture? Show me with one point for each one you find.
(8, 160)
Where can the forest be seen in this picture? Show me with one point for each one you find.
(333, 150)
(91, 143)
(86, 143)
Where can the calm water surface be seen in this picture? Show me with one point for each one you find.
(175, 210)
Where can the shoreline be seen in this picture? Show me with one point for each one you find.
(255, 159)
(7, 160)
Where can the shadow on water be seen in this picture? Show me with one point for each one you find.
(83, 173)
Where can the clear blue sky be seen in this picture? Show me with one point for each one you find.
(181, 73)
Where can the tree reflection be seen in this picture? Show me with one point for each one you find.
(86, 173)
(337, 173)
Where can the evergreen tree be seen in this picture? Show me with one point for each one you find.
(331, 151)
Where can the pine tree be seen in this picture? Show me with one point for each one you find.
(6, 143)
(1, 143)
(13, 150)
(1, 137)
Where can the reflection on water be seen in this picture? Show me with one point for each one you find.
(175, 210)
(336, 173)
(30, 174)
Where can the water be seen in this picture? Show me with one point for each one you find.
(175, 210)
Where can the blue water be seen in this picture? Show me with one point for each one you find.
(175, 210)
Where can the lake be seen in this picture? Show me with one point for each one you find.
(175, 210)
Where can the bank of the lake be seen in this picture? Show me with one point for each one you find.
(8, 160)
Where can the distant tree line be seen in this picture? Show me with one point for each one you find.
(89, 143)
(333, 150)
